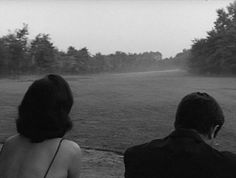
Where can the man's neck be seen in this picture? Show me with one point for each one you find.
(205, 138)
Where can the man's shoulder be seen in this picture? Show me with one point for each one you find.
(231, 157)
(143, 149)
(136, 149)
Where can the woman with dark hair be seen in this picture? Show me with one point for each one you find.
(39, 150)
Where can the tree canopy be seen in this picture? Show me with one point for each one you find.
(217, 52)
(20, 55)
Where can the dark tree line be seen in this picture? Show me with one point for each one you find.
(21, 55)
(214, 54)
(217, 52)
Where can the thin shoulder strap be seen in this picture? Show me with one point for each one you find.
(55, 154)
(3, 145)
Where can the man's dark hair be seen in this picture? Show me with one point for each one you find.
(44, 111)
(199, 111)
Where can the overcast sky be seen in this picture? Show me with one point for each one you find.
(107, 26)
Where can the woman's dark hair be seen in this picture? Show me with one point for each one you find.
(44, 111)
(199, 111)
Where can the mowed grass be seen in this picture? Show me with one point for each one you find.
(116, 111)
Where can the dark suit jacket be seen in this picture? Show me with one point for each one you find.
(183, 154)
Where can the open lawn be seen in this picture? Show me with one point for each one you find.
(115, 111)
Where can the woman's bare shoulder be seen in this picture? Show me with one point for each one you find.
(75, 158)
(10, 142)
(12, 139)
(73, 154)
(71, 146)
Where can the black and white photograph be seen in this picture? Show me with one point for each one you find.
(117, 89)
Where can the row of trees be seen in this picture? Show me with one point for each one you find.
(213, 54)
(180, 61)
(20, 55)
(217, 52)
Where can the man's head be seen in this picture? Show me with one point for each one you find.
(200, 112)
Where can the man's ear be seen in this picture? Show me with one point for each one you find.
(214, 131)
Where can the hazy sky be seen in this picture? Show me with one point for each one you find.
(107, 26)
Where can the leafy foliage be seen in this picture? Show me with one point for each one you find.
(13, 50)
(19, 55)
(42, 52)
(216, 53)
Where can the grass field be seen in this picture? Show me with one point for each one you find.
(115, 111)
